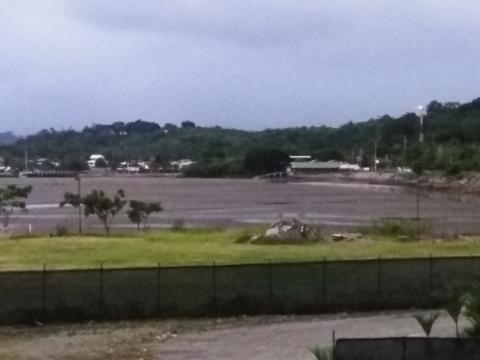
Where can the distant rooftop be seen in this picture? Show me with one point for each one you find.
(300, 157)
(323, 165)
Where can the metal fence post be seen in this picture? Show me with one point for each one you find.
(100, 297)
(334, 343)
(44, 290)
(159, 288)
(214, 287)
(270, 286)
(379, 278)
(430, 279)
(324, 281)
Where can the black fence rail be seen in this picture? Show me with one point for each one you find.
(314, 287)
(408, 349)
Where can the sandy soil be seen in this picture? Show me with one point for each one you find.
(257, 338)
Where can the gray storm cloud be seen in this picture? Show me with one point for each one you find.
(247, 64)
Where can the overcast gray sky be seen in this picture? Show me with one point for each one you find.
(246, 64)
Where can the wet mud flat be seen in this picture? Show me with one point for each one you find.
(247, 202)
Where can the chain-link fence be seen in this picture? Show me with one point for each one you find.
(232, 289)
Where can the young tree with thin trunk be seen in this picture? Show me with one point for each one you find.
(12, 197)
(139, 212)
(98, 203)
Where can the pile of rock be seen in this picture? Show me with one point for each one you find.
(289, 231)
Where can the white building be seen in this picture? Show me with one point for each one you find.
(180, 164)
(94, 158)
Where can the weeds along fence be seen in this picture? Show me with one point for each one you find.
(315, 287)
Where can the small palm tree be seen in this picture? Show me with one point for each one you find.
(322, 353)
(472, 309)
(426, 321)
(453, 304)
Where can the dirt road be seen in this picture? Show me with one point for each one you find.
(290, 340)
(259, 338)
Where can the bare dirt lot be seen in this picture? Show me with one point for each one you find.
(258, 338)
(242, 202)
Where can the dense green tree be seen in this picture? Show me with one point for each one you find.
(140, 126)
(187, 124)
(73, 164)
(101, 163)
(265, 160)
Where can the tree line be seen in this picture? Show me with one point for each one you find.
(452, 138)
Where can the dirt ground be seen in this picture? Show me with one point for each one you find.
(255, 338)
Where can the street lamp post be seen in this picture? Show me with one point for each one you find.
(421, 113)
(79, 192)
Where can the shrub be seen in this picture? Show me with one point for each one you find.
(244, 238)
(399, 228)
(454, 301)
(322, 353)
(427, 320)
(472, 309)
(178, 225)
(61, 230)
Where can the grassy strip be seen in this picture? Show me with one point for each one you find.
(204, 246)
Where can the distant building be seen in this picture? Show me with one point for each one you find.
(94, 158)
(318, 167)
(300, 157)
(133, 167)
(181, 164)
(4, 170)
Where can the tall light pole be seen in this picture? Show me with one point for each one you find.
(79, 192)
(421, 113)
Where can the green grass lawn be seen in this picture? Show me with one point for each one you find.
(192, 247)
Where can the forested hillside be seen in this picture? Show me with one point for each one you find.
(7, 138)
(452, 138)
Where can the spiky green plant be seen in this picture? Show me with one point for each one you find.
(426, 321)
(454, 301)
(322, 353)
(472, 309)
